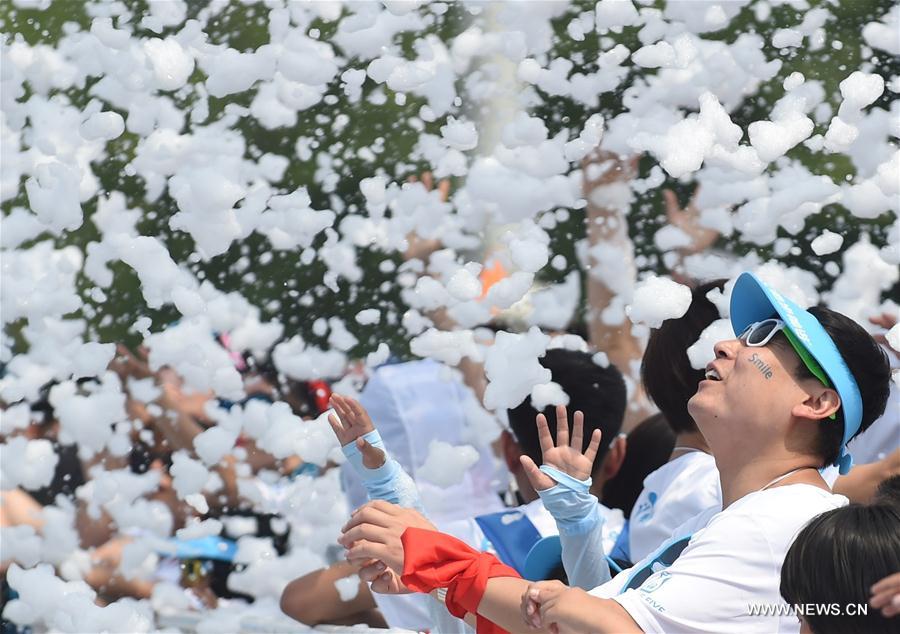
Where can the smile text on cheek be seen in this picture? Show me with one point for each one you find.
(761, 365)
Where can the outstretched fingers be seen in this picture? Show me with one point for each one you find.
(544, 436)
(538, 479)
(593, 446)
(358, 410)
(578, 431)
(562, 426)
(337, 404)
(336, 427)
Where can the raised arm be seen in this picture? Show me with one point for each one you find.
(564, 483)
(606, 185)
(382, 476)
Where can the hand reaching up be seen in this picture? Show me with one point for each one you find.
(886, 321)
(129, 365)
(421, 248)
(351, 424)
(565, 456)
(688, 220)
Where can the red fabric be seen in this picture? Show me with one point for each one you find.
(321, 393)
(436, 560)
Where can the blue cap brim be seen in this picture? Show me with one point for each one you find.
(752, 300)
(543, 558)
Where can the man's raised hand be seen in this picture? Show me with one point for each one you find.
(565, 456)
(351, 424)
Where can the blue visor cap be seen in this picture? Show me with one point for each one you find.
(752, 300)
(543, 558)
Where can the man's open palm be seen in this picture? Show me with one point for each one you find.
(566, 455)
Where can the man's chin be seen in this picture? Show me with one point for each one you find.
(698, 408)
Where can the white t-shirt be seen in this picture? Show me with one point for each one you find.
(673, 494)
(733, 560)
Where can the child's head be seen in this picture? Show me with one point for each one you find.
(888, 491)
(597, 391)
(649, 446)
(835, 560)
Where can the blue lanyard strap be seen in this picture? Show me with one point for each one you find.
(664, 557)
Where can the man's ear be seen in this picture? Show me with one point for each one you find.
(511, 451)
(614, 458)
(820, 404)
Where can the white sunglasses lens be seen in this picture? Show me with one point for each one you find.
(760, 332)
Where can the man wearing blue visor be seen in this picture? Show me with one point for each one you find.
(780, 402)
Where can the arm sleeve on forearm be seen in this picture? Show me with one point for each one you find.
(580, 529)
(388, 482)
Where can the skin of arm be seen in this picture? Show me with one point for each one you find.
(313, 599)
(861, 483)
(178, 422)
(572, 610)
(105, 579)
(420, 249)
(606, 225)
(96, 531)
(17, 507)
(374, 533)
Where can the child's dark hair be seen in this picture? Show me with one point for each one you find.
(836, 559)
(649, 446)
(598, 392)
(888, 492)
(666, 371)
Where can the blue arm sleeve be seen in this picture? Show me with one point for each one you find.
(388, 482)
(580, 529)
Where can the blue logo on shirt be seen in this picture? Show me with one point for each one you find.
(645, 510)
(656, 581)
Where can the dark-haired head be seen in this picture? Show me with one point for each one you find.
(666, 371)
(599, 392)
(867, 362)
(836, 559)
(649, 446)
(888, 492)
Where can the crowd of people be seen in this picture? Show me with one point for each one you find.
(637, 371)
(708, 515)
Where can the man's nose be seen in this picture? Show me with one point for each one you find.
(727, 349)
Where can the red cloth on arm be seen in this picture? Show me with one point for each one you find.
(436, 560)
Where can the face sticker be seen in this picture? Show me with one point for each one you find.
(761, 365)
